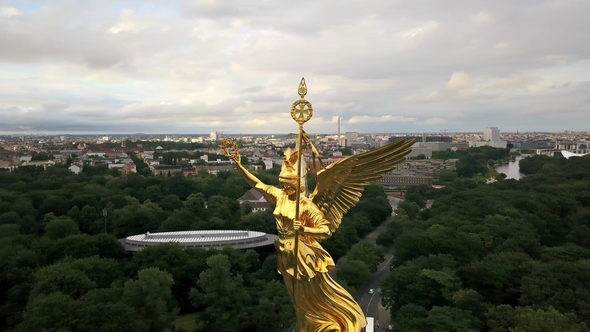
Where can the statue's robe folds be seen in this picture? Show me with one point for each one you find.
(321, 304)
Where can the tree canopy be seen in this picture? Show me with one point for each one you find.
(61, 271)
(508, 256)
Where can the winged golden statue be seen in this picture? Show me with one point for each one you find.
(302, 222)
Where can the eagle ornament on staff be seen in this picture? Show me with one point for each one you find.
(302, 222)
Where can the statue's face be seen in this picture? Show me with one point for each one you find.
(289, 185)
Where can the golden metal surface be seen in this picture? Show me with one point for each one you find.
(302, 88)
(301, 111)
(302, 222)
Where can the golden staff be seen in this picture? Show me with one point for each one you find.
(301, 112)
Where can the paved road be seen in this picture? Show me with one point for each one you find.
(369, 237)
(371, 303)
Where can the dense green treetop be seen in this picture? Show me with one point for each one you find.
(472, 161)
(62, 272)
(508, 256)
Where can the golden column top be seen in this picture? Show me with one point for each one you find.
(302, 88)
(301, 110)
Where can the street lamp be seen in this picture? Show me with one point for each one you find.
(104, 213)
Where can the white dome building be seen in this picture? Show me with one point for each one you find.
(207, 239)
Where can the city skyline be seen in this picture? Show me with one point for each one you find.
(178, 67)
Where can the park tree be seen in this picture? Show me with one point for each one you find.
(411, 317)
(416, 198)
(18, 265)
(136, 219)
(220, 296)
(262, 221)
(362, 225)
(184, 266)
(99, 315)
(62, 278)
(525, 319)
(497, 277)
(196, 203)
(408, 208)
(561, 285)
(447, 176)
(274, 310)
(368, 253)
(151, 299)
(425, 281)
(61, 227)
(449, 318)
(179, 220)
(171, 203)
(354, 272)
(9, 218)
(49, 312)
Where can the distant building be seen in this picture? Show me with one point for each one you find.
(124, 168)
(491, 134)
(422, 139)
(532, 145)
(75, 168)
(580, 147)
(419, 150)
(494, 144)
(255, 199)
(434, 143)
(491, 137)
(216, 136)
(268, 164)
(206, 239)
(574, 147)
(166, 170)
(350, 137)
(461, 146)
(427, 167)
(44, 164)
(214, 169)
(397, 180)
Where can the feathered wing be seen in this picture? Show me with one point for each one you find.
(341, 184)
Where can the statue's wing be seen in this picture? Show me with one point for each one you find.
(341, 184)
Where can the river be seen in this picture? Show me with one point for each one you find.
(512, 169)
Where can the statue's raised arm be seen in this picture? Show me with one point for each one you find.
(341, 184)
(270, 192)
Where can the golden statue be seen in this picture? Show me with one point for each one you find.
(320, 303)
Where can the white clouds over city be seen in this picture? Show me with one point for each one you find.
(183, 66)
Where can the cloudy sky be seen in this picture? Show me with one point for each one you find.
(195, 66)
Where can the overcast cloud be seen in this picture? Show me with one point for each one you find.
(194, 66)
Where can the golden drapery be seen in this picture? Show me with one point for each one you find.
(321, 303)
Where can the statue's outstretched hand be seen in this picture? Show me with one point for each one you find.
(226, 144)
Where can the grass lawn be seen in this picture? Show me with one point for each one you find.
(186, 321)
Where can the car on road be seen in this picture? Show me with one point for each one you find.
(371, 291)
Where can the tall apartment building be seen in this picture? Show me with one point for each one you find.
(350, 137)
(491, 134)
(216, 136)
